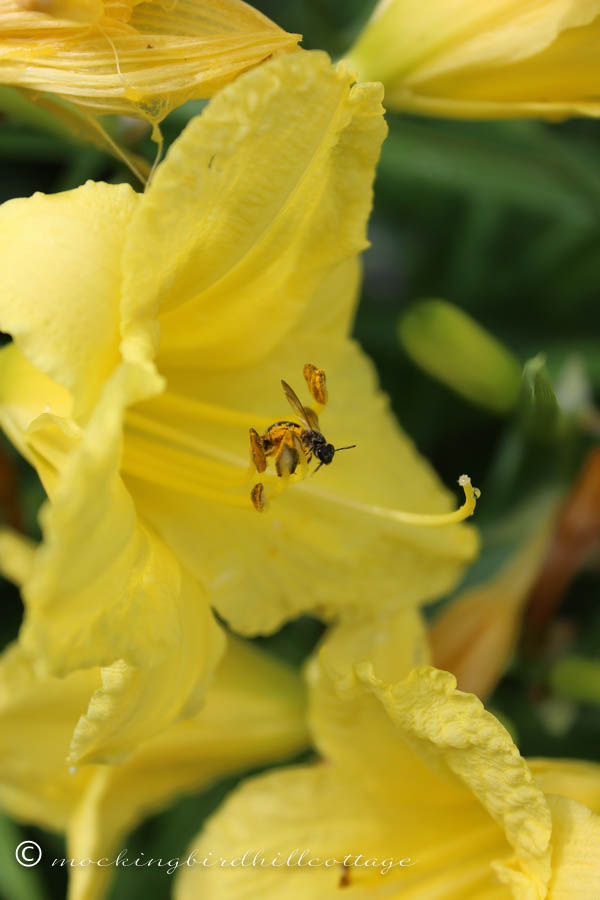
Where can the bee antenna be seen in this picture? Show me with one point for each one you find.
(351, 447)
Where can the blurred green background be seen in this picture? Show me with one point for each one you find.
(502, 220)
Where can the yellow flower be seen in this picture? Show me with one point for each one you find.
(484, 60)
(131, 57)
(254, 714)
(150, 333)
(422, 794)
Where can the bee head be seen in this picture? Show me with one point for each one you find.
(324, 453)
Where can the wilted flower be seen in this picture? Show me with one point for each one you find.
(140, 59)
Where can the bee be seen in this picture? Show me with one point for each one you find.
(290, 443)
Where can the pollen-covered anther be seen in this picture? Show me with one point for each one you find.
(274, 485)
(316, 382)
(257, 495)
(257, 452)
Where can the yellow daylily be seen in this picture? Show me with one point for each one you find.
(422, 794)
(131, 57)
(254, 714)
(484, 60)
(150, 333)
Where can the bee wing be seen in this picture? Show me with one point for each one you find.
(312, 418)
(301, 411)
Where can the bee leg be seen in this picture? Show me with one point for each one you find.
(316, 382)
(300, 452)
(286, 458)
(288, 454)
(257, 451)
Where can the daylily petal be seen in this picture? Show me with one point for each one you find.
(33, 413)
(575, 855)
(484, 60)
(60, 296)
(259, 199)
(394, 643)
(253, 714)
(433, 773)
(135, 702)
(275, 817)
(353, 731)
(572, 778)
(35, 784)
(26, 393)
(414, 769)
(76, 589)
(576, 851)
(456, 737)
(454, 733)
(556, 82)
(16, 555)
(133, 58)
(307, 813)
(119, 599)
(440, 750)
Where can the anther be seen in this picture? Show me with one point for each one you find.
(257, 453)
(257, 495)
(316, 382)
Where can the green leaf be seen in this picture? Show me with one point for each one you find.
(453, 348)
